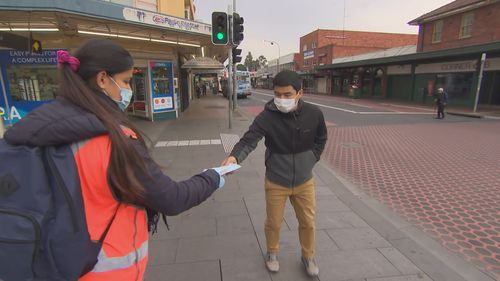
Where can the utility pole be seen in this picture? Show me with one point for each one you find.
(235, 97)
(479, 79)
(230, 66)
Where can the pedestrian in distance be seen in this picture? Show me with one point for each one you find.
(295, 135)
(123, 189)
(198, 90)
(441, 100)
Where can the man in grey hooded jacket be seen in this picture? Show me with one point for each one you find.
(295, 136)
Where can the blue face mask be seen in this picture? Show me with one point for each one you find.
(125, 94)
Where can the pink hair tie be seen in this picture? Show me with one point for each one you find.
(65, 57)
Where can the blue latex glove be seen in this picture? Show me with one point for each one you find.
(222, 181)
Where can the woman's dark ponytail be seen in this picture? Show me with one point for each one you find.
(79, 87)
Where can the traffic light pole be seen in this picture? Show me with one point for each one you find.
(230, 68)
(235, 97)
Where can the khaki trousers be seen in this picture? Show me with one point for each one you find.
(303, 200)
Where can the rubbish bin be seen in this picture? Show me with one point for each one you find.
(354, 92)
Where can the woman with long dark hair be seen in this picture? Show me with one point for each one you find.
(119, 180)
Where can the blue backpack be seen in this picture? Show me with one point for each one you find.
(43, 231)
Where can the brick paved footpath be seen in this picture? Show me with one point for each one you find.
(223, 238)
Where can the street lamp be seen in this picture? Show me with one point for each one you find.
(275, 43)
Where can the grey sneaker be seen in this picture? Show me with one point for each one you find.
(311, 266)
(272, 262)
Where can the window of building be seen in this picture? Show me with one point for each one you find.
(466, 25)
(437, 31)
(304, 48)
(129, 3)
(313, 45)
(186, 14)
(149, 5)
(32, 83)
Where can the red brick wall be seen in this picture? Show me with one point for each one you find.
(338, 43)
(485, 29)
(297, 59)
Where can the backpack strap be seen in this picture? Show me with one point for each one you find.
(52, 170)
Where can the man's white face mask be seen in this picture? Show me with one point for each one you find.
(285, 105)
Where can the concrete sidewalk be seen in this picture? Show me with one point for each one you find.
(223, 238)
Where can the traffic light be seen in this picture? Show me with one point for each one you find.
(236, 55)
(219, 28)
(237, 29)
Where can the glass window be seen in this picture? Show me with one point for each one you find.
(436, 32)
(32, 83)
(129, 3)
(138, 85)
(314, 45)
(466, 25)
(148, 5)
(457, 85)
(304, 48)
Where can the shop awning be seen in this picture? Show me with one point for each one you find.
(56, 19)
(469, 51)
(203, 63)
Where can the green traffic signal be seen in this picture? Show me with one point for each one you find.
(219, 28)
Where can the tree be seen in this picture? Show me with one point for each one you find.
(241, 67)
(249, 61)
(262, 61)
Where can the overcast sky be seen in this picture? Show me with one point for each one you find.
(286, 21)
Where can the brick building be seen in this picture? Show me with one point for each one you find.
(458, 24)
(453, 42)
(321, 46)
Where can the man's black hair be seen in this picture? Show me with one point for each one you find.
(288, 78)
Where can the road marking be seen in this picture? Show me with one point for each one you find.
(176, 143)
(364, 112)
(319, 104)
(405, 106)
(333, 107)
(393, 113)
(228, 141)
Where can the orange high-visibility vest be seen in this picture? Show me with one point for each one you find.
(124, 253)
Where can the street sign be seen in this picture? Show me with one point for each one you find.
(36, 47)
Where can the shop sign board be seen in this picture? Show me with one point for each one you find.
(162, 20)
(399, 69)
(14, 57)
(309, 54)
(19, 109)
(458, 66)
(162, 86)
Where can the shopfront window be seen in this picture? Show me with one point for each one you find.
(139, 89)
(457, 85)
(32, 83)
